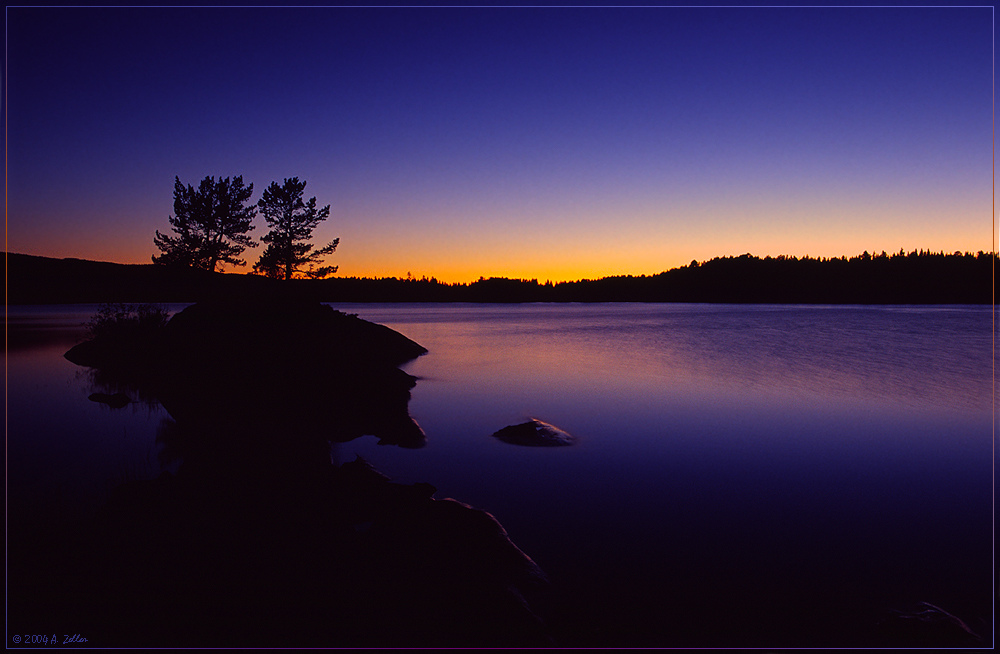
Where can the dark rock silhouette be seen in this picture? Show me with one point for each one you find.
(927, 626)
(337, 557)
(113, 400)
(292, 364)
(258, 540)
(534, 433)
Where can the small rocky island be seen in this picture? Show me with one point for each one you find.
(289, 365)
(258, 540)
(534, 433)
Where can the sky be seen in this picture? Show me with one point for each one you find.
(537, 143)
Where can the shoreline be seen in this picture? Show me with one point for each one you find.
(913, 279)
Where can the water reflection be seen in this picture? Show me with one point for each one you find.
(744, 476)
(775, 476)
(916, 357)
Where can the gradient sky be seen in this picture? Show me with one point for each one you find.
(557, 143)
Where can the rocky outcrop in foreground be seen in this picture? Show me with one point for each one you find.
(340, 559)
(258, 540)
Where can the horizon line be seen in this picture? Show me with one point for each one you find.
(425, 278)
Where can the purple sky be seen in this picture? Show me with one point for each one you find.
(556, 143)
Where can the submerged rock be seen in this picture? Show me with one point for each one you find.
(534, 433)
(113, 400)
(927, 626)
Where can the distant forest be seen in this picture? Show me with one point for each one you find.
(918, 277)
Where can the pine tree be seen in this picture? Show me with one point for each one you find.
(212, 224)
(292, 222)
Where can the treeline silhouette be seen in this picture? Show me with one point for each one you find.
(917, 277)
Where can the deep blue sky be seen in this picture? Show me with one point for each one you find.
(549, 143)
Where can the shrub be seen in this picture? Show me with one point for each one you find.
(118, 319)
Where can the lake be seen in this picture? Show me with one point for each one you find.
(743, 475)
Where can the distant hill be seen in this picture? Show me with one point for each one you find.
(43, 280)
(903, 278)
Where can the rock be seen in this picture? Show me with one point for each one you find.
(341, 557)
(257, 540)
(927, 626)
(534, 433)
(278, 364)
(115, 401)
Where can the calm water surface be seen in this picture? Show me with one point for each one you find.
(744, 475)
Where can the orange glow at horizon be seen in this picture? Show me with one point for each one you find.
(570, 262)
(641, 238)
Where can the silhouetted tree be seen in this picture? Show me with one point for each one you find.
(211, 224)
(292, 222)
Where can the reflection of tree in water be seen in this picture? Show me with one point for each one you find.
(258, 539)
